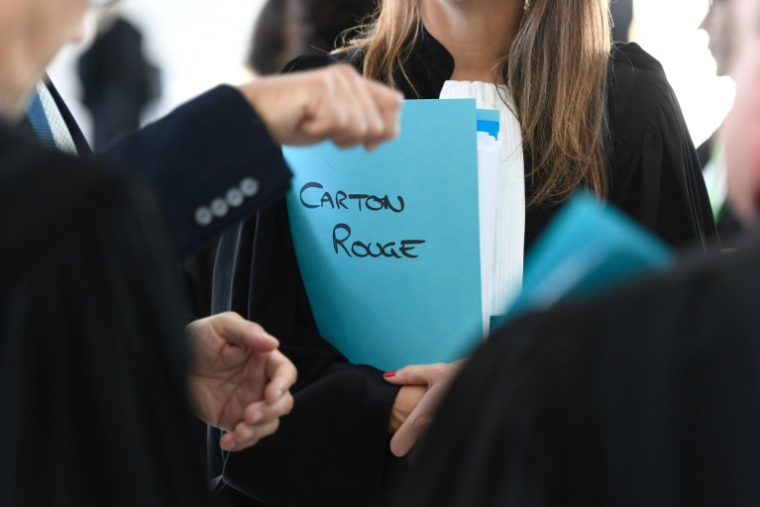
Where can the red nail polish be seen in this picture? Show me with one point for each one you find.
(389, 374)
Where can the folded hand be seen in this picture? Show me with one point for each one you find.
(240, 381)
(435, 379)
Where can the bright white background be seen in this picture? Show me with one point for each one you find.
(197, 44)
(667, 29)
(200, 43)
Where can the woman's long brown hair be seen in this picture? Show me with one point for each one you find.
(556, 71)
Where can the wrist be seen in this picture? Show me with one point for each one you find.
(250, 92)
(256, 95)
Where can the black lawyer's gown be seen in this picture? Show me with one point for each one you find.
(333, 448)
(93, 359)
(649, 395)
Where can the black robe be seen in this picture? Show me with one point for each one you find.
(649, 395)
(93, 359)
(333, 448)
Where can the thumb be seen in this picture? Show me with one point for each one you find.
(410, 432)
(238, 331)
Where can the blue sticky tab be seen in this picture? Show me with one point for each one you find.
(489, 127)
(488, 122)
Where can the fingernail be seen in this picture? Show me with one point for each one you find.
(258, 417)
(232, 446)
(389, 374)
(249, 433)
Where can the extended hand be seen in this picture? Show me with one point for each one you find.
(333, 103)
(240, 381)
(435, 378)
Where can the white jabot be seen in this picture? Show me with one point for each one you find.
(61, 134)
(502, 197)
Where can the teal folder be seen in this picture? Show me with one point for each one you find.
(587, 249)
(388, 242)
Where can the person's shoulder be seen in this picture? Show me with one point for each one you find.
(45, 193)
(23, 159)
(632, 55)
(351, 56)
(644, 74)
(639, 92)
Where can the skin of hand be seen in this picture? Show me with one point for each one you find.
(240, 382)
(434, 379)
(407, 399)
(333, 103)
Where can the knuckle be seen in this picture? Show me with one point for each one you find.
(256, 327)
(289, 404)
(376, 128)
(325, 82)
(341, 125)
(361, 129)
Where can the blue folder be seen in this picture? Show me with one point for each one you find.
(388, 242)
(588, 248)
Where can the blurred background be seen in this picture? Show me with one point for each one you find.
(188, 46)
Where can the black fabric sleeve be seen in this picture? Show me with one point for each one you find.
(93, 360)
(656, 175)
(646, 393)
(198, 154)
(333, 449)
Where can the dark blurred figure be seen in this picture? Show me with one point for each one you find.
(118, 83)
(622, 17)
(648, 396)
(287, 29)
(91, 340)
(719, 25)
(117, 80)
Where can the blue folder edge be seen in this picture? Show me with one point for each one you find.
(588, 248)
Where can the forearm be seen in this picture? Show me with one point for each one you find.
(212, 162)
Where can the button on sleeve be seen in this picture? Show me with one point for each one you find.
(249, 187)
(219, 208)
(203, 216)
(234, 197)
